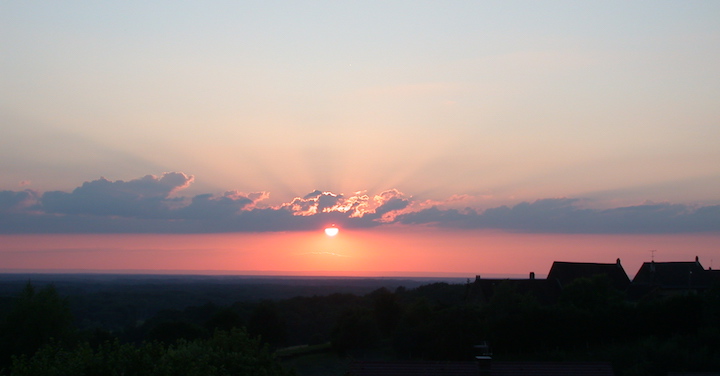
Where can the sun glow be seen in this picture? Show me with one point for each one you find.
(331, 231)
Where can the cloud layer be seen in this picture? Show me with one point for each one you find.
(154, 204)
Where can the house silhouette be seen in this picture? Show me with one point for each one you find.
(654, 279)
(564, 273)
(673, 278)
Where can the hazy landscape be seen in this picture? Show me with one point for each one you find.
(318, 326)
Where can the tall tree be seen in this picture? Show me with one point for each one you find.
(37, 317)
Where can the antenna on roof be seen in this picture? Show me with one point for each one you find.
(652, 255)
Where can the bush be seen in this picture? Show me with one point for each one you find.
(225, 354)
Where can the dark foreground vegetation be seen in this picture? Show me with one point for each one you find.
(44, 332)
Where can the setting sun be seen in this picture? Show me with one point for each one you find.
(331, 231)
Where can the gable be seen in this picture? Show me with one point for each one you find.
(566, 272)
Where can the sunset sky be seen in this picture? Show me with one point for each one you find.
(444, 138)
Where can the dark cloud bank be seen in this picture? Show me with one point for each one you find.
(153, 204)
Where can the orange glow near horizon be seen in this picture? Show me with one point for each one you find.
(378, 252)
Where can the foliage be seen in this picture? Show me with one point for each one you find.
(226, 353)
(265, 322)
(387, 310)
(356, 329)
(37, 317)
(439, 321)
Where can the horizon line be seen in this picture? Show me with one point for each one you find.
(267, 273)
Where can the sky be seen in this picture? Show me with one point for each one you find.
(440, 137)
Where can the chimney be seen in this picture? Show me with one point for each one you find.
(617, 262)
(532, 275)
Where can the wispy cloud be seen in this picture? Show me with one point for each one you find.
(154, 204)
(324, 254)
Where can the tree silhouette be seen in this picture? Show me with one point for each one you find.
(387, 310)
(266, 323)
(37, 317)
(356, 329)
(225, 354)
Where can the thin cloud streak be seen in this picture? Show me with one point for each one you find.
(153, 204)
(324, 254)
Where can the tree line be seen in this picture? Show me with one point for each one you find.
(439, 321)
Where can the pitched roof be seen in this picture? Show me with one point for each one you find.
(566, 272)
(673, 275)
(469, 368)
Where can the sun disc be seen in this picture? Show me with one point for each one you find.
(331, 231)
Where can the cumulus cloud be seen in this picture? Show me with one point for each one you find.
(155, 204)
(209, 206)
(317, 202)
(145, 197)
(388, 205)
(17, 201)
